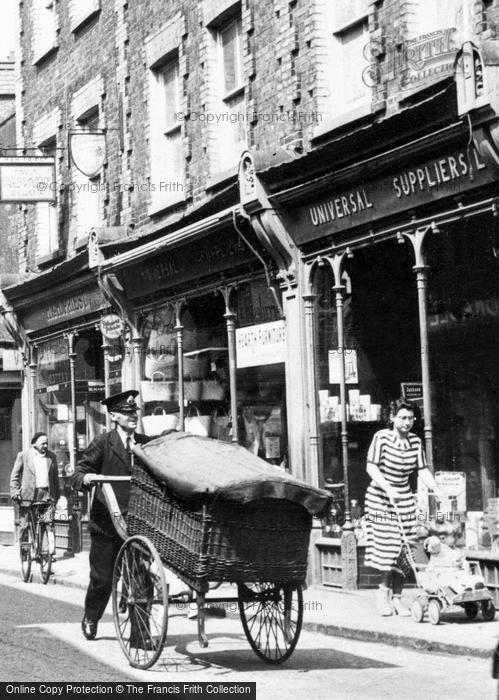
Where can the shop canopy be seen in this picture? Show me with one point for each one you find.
(193, 466)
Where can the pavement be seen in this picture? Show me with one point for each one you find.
(348, 614)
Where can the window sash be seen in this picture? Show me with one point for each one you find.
(348, 87)
(231, 56)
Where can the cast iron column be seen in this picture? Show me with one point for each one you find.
(230, 320)
(421, 269)
(105, 348)
(179, 328)
(348, 539)
(314, 445)
(33, 370)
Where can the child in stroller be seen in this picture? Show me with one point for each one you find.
(449, 579)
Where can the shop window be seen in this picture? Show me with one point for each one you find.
(350, 36)
(381, 351)
(46, 216)
(231, 91)
(44, 19)
(87, 199)
(463, 324)
(260, 378)
(81, 11)
(167, 156)
(261, 382)
(53, 396)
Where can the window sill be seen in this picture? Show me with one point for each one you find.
(80, 22)
(361, 111)
(44, 53)
(222, 177)
(49, 258)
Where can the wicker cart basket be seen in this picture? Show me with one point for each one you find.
(220, 540)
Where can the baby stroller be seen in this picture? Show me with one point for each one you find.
(438, 592)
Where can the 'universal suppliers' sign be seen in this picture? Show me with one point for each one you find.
(263, 344)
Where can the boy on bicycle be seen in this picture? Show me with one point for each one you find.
(35, 478)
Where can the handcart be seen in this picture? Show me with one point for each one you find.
(261, 545)
(434, 600)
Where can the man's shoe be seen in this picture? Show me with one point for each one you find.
(89, 628)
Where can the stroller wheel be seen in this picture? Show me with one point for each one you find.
(434, 610)
(417, 610)
(488, 610)
(471, 610)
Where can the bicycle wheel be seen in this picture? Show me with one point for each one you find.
(140, 602)
(44, 554)
(272, 615)
(26, 544)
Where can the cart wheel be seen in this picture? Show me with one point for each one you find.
(434, 610)
(272, 615)
(471, 610)
(45, 560)
(26, 540)
(417, 610)
(140, 602)
(488, 610)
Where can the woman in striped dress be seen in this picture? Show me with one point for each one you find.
(393, 455)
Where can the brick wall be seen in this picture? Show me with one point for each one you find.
(287, 76)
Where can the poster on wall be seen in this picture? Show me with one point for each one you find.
(351, 367)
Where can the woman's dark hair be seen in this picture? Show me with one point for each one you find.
(397, 405)
(36, 436)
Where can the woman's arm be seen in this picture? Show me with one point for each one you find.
(429, 481)
(374, 472)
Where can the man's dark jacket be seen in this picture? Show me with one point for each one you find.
(107, 455)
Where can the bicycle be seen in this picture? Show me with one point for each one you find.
(35, 542)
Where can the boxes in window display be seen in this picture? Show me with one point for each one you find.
(359, 408)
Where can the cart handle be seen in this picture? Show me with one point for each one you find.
(105, 479)
(103, 482)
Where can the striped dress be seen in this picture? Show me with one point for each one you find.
(396, 460)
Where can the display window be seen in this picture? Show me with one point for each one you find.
(259, 379)
(205, 369)
(54, 413)
(381, 345)
(463, 324)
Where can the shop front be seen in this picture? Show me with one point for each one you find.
(212, 340)
(400, 293)
(65, 379)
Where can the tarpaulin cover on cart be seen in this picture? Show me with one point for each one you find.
(194, 466)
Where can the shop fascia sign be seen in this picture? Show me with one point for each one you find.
(208, 256)
(27, 179)
(64, 308)
(262, 344)
(446, 175)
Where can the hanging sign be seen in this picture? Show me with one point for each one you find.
(88, 151)
(111, 326)
(27, 179)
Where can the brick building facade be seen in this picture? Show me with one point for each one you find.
(355, 116)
